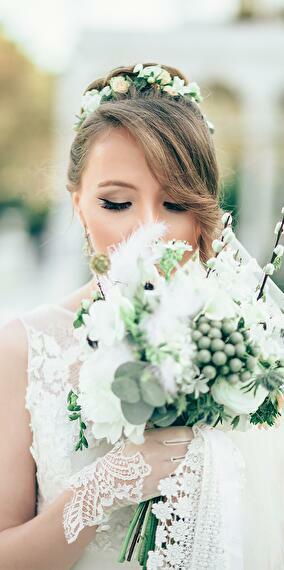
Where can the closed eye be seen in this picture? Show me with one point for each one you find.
(117, 206)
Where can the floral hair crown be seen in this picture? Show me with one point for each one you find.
(153, 75)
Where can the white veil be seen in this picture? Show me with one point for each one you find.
(263, 452)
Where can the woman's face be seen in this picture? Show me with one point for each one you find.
(118, 191)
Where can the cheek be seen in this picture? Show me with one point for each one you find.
(184, 227)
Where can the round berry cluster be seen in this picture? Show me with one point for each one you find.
(223, 350)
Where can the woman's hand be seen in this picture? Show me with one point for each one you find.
(163, 450)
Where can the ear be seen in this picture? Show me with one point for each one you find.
(76, 204)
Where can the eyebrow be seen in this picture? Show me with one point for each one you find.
(117, 183)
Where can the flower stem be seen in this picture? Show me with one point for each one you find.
(131, 528)
(260, 294)
(144, 534)
(138, 530)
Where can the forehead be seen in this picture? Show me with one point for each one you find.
(116, 154)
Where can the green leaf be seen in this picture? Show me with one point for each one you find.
(164, 417)
(136, 414)
(84, 441)
(151, 390)
(126, 389)
(74, 416)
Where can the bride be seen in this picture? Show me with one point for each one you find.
(143, 151)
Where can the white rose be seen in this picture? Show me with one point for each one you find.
(239, 402)
(165, 77)
(104, 322)
(119, 84)
(99, 403)
(170, 90)
(91, 100)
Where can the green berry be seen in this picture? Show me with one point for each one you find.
(196, 335)
(245, 376)
(235, 364)
(217, 344)
(240, 349)
(233, 378)
(209, 371)
(204, 342)
(215, 333)
(255, 350)
(228, 326)
(236, 337)
(229, 349)
(204, 328)
(219, 358)
(202, 319)
(250, 363)
(216, 324)
(204, 356)
(225, 370)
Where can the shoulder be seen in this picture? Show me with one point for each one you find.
(13, 340)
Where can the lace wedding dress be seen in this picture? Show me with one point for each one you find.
(53, 368)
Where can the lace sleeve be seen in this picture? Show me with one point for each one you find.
(110, 482)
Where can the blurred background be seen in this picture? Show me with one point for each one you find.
(51, 50)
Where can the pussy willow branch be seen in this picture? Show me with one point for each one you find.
(273, 257)
(227, 223)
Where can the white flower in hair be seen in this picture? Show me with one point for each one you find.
(91, 100)
(119, 84)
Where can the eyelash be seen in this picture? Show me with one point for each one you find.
(117, 206)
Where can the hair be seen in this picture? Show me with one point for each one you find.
(176, 141)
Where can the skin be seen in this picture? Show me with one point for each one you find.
(117, 156)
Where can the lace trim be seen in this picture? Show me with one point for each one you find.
(191, 532)
(108, 483)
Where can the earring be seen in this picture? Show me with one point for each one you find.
(89, 251)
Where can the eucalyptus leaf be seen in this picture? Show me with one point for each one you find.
(164, 417)
(152, 392)
(138, 413)
(130, 370)
(126, 389)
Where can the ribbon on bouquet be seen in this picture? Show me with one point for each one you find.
(200, 515)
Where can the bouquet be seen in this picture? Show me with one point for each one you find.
(165, 343)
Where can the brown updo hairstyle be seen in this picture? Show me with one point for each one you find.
(176, 141)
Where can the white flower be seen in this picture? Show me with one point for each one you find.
(174, 555)
(161, 535)
(91, 100)
(269, 269)
(170, 371)
(179, 530)
(277, 228)
(137, 68)
(233, 397)
(227, 217)
(279, 250)
(99, 404)
(104, 322)
(162, 510)
(177, 87)
(228, 235)
(220, 306)
(168, 486)
(165, 77)
(193, 89)
(119, 84)
(217, 245)
(282, 210)
(198, 385)
(106, 91)
(155, 560)
(183, 507)
(211, 263)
